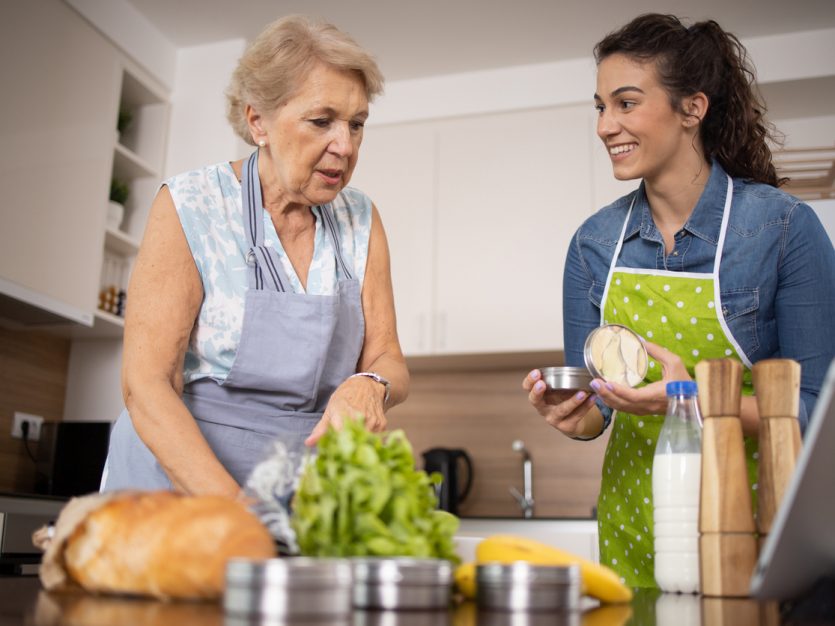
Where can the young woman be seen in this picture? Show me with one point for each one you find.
(706, 259)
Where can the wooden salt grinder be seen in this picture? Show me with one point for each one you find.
(777, 383)
(727, 545)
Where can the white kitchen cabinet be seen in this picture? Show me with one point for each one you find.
(60, 99)
(479, 212)
(59, 148)
(397, 169)
(512, 189)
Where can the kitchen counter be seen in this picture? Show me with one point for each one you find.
(23, 602)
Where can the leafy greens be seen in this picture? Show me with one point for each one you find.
(362, 496)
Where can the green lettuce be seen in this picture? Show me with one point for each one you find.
(362, 496)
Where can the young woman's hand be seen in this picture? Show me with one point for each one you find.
(650, 399)
(568, 417)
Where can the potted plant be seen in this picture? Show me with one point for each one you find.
(124, 120)
(119, 192)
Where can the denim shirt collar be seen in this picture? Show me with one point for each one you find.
(704, 222)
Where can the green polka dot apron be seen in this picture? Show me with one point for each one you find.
(681, 311)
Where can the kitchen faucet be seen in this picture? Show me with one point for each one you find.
(525, 501)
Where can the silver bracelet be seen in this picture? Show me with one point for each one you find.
(379, 379)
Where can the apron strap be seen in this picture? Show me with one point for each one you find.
(266, 271)
(615, 259)
(329, 220)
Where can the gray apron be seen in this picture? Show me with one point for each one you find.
(295, 350)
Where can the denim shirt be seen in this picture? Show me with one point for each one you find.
(777, 274)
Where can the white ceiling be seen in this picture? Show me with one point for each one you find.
(418, 38)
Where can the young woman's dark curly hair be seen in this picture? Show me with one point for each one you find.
(705, 58)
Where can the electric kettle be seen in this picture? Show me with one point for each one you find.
(447, 462)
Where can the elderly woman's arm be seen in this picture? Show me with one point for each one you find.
(165, 296)
(381, 351)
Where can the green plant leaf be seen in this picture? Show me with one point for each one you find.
(362, 495)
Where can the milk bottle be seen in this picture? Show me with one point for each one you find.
(676, 474)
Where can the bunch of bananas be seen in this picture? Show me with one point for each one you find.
(598, 580)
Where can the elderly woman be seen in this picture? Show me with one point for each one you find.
(261, 304)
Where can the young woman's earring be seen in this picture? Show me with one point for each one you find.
(261, 143)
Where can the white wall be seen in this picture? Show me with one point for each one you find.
(199, 133)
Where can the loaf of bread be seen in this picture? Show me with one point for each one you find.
(156, 543)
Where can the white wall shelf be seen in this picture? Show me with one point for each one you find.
(128, 165)
(120, 242)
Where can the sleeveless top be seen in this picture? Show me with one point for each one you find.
(208, 203)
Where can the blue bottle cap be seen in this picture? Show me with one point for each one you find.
(682, 388)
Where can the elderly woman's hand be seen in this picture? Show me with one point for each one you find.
(356, 397)
(567, 417)
(648, 400)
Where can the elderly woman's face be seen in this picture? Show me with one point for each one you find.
(314, 138)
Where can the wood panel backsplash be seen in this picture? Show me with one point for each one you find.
(470, 402)
(33, 379)
(479, 405)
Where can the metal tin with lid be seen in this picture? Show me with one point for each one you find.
(561, 383)
(522, 586)
(288, 587)
(402, 583)
(616, 354)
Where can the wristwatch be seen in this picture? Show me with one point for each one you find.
(379, 379)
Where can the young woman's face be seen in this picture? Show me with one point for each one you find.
(314, 138)
(644, 136)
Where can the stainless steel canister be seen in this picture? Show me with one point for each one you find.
(402, 583)
(523, 586)
(288, 587)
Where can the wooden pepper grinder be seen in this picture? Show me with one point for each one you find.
(727, 545)
(777, 383)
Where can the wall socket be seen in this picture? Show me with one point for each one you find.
(34, 422)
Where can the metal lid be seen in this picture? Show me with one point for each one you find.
(291, 572)
(522, 572)
(616, 353)
(407, 571)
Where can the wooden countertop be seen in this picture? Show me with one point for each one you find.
(23, 602)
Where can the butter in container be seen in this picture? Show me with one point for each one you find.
(616, 354)
(402, 583)
(522, 586)
(294, 587)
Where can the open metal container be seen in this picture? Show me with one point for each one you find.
(402, 583)
(288, 588)
(522, 586)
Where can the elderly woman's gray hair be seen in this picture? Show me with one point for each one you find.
(275, 65)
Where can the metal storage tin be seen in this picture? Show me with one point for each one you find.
(563, 382)
(402, 583)
(523, 586)
(616, 353)
(288, 587)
